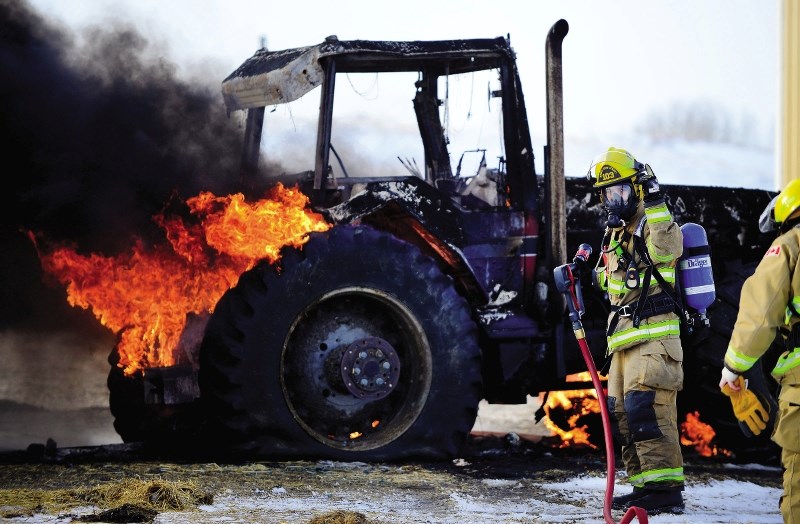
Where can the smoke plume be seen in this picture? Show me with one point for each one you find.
(98, 130)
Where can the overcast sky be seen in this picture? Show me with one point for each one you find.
(623, 59)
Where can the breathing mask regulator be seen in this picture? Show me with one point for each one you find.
(620, 202)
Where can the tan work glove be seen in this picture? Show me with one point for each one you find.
(747, 407)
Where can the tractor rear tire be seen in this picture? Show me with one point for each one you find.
(704, 353)
(355, 347)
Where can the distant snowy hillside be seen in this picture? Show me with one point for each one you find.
(682, 162)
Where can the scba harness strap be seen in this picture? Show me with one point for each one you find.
(657, 304)
(668, 300)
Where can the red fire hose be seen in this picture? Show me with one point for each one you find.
(568, 283)
(633, 511)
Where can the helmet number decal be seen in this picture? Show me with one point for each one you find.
(607, 173)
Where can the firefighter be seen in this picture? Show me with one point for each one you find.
(640, 248)
(770, 304)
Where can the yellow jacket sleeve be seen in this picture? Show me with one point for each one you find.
(664, 238)
(763, 304)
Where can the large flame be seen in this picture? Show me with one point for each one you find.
(145, 296)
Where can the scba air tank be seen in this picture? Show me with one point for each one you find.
(694, 269)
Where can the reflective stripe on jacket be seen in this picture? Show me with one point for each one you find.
(617, 287)
(664, 243)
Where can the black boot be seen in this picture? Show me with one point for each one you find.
(621, 502)
(656, 502)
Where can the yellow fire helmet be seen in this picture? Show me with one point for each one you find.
(788, 201)
(612, 167)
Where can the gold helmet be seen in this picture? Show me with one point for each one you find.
(613, 167)
(787, 202)
(615, 172)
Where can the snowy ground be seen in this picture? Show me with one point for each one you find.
(469, 491)
(726, 501)
(501, 483)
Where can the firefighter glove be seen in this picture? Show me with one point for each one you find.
(650, 189)
(747, 407)
(728, 377)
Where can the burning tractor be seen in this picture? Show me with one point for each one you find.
(415, 290)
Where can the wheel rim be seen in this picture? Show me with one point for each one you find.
(356, 369)
(369, 368)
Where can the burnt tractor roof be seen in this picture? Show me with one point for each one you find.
(276, 77)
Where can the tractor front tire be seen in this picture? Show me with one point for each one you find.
(354, 347)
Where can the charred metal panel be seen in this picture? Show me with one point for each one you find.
(171, 385)
(453, 56)
(429, 206)
(417, 213)
(426, 106)
(252, 142)
(520, 176)
(508, 323)
(493, 245)
(273, 77)
(278, 77)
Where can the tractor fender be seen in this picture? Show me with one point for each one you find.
(418, 213)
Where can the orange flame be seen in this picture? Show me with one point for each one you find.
(145, 296)
(577, 403)
(698, 434)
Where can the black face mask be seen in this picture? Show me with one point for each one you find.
(620, 201)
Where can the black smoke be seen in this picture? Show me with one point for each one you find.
(97, 132)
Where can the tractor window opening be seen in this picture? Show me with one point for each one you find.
(397, 124)
(472, 119)
(374, 125)
(288, 138)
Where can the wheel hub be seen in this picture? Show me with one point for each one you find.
(370, 368)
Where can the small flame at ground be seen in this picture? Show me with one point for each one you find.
(575, 404)
(700, 435)
(572, 406)
(145, 296)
